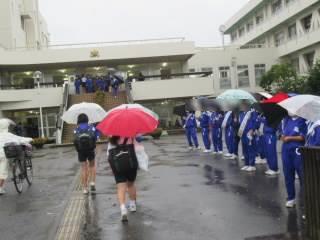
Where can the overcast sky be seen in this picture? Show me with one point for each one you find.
(76, 21)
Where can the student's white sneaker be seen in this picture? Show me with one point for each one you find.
(198, 148)
(214, 152)
(190, 148)
(242, 158)
(92, 187)
(264, 161)
(291, 203)
(85, 191)
(132, 206)
(124, 213)
(244, 168)
(259, 160)
(227, 155)
(233, 156)
(220, 152)
(251, 169)
(2, 191)
(207, 151)
(272, 173)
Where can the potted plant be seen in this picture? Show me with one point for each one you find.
(156, 134)
(39, 142)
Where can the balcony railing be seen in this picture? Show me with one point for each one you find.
(176, 75)
(30, 86)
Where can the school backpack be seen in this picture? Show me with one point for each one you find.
(123, 158)
(85, 139)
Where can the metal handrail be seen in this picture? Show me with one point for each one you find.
(63, 108)
(203, 74)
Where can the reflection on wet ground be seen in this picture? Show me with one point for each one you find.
(192, 195)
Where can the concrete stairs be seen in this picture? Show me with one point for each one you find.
(109, 103)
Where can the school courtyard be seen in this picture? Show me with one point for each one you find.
(185, 195)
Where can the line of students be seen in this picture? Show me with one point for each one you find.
(258, 140)
(91, 84)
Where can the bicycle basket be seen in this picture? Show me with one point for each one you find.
(12, 150)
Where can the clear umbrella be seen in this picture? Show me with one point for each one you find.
(236, 95)
(94, 112)
(305, 106)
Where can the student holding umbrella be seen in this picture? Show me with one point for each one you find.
(124, 124)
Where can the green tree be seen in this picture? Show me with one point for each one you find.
(313, 80)
(282, 77)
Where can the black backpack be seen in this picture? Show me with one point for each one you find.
(123, 158)
(85, 139)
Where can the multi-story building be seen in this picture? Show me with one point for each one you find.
(291, 26)
(263, 33)
(22, 25)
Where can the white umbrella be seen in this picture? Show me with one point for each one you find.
(6, 121)
(305, 106)
(94, 112)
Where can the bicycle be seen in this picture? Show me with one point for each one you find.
(20, 162)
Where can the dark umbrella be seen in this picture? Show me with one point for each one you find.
(180, 110)
(273, 113)
(210, 105)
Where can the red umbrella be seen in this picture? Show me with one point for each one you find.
(128, 120)
(279, 97)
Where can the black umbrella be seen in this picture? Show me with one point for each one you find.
(180, 110)
(273, 113)
(210, 105)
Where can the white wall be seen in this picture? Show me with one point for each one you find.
(138, 51)
(172, 88)
(30, 98)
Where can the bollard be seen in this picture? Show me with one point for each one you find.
(311, 162)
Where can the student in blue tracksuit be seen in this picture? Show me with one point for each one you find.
(205, 124)
(270, 144)
(77, 85)
(228, 126)
(89, 85)
(190, 124)
(260, 144)
(313, 136)
(236, 125)
(100, 84)
(216, 131)
(294, 130)
(246, 133)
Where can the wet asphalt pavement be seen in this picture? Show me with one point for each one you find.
(192, 195)
(36, 213)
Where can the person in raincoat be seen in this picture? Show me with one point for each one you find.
(216, 122)
(293, 135)
(204, 124)
(7, 137)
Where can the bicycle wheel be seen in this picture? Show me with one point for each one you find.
(17, 177)
(29, 170)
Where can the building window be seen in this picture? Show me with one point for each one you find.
(259, 18)
(249, 26)
(276, 6)
(22, 23)
(241, 31)
(288, 2)
(233, 36)
(192, 70)
(224, 75)
(259, 70)
(279, 38)
(243, 76)
(309, 57)
(306, 22)
(295, 64)
(292, 31)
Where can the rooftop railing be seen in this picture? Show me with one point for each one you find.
(100, 44)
